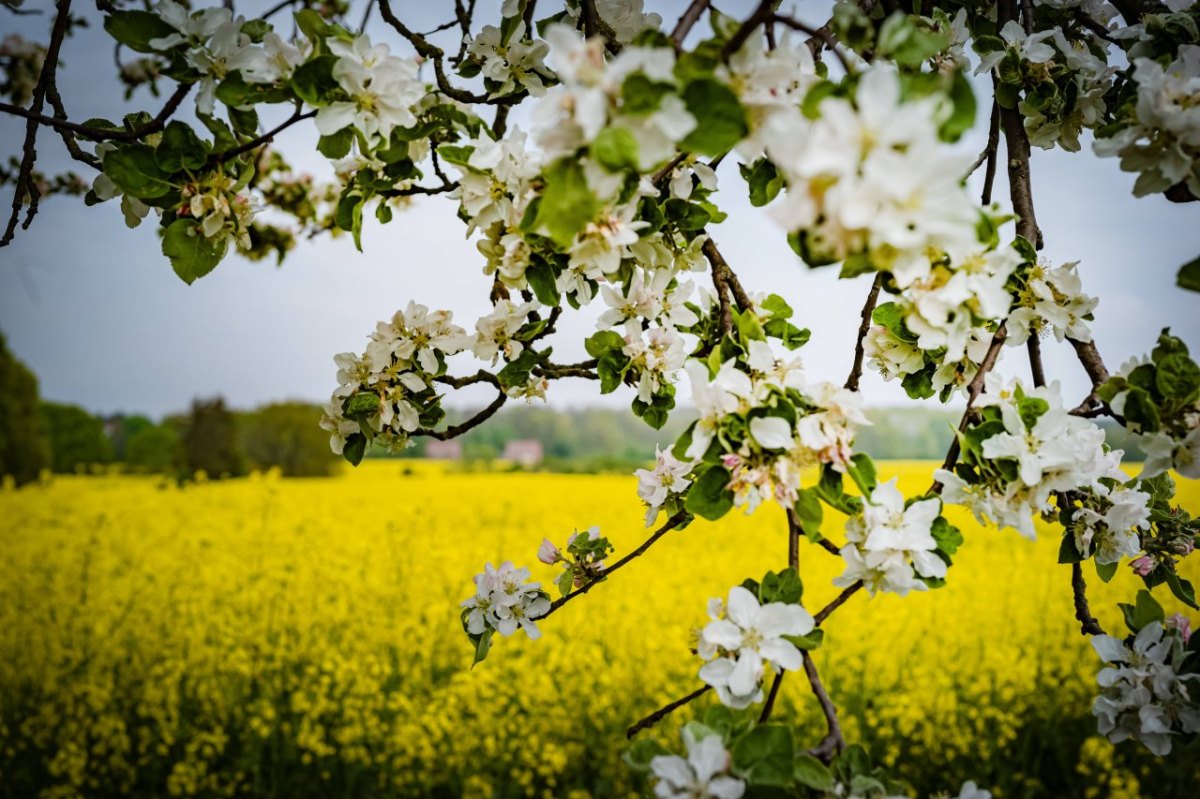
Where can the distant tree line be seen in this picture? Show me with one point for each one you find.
(37, 435)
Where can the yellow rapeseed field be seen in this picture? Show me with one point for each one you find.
(294, 638)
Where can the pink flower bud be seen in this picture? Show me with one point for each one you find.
(548, 553)
(1142, 566)
(1180, 622)
(731, 461)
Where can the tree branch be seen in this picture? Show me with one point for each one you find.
(1083, 614)
(666, 710)
(675, 521)
(24, 185)
(687, 20)
(833, 742)
(863, 328)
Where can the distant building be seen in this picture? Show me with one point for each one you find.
(443, 450)
(526, 452)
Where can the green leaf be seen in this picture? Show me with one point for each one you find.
(1177, 377)
(599, 344)
(180, 148)
(891, 316)
(611, 371)
(764, 181)
(313, 81)
(136, 172)
(962, 118)
(948, 537)
(616, 149)
(709, 496)
(1145, 610)
(643, 750)
(567, 202)
(812, 773)
(776, 306)
(1182, 589)
(1031, 409)
(765, 756)
(336, 145)
(1106, 571)
(353, 451)
(862, 471)
(919, 384)
(482, 644)
(720, 120)
(782, 586)
(135, 29)
(808, 642)
(348, 216)
(1067, 553)
(809, 513)
(641, 96)
(540, 276)
(1189, 276)
(192, 254)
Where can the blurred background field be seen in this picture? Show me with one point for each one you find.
(300, 638)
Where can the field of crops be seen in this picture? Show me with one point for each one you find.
(300, 638)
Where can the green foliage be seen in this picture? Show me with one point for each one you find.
(567, 203)
(154, 449)
(285, 435)
(192, 254)
(720, 120)
(77, 438)
(210, 441)
(710, 496)
(24, 444)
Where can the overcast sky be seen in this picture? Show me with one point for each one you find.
(95, 309)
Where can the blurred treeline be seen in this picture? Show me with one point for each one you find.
(212, 439)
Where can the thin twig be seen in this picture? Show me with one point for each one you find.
(863, 327)
(1083, 614)
(675, 521)
(25, 187)
(666, 710)
(820, 36)
(839, 600)
(687, 20)
(833, 743)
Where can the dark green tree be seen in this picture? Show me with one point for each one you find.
(210, 441)
(77, 438)
(153, 449)
(285, 434)
(24, 446)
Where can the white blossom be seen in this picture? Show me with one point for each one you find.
(704, 773)
(1142, 696)
(745, 641)
(669, 476)
(504, 600)
(889, 546)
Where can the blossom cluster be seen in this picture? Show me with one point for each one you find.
(1025, 448)
(215, 44)
(745, 641)
(1050, 300)
(891, 545)
(1158, 399)
(387, 392)
(1148, 684)
(761, 423)
(870, 182)
(583, 561)
(504, 601)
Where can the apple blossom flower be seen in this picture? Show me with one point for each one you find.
(747, 640)
(703, 773)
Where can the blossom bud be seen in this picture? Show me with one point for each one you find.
(1142, 566)
(548, 553)
(1180, 622)
(1184, 546)
(730, 461)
